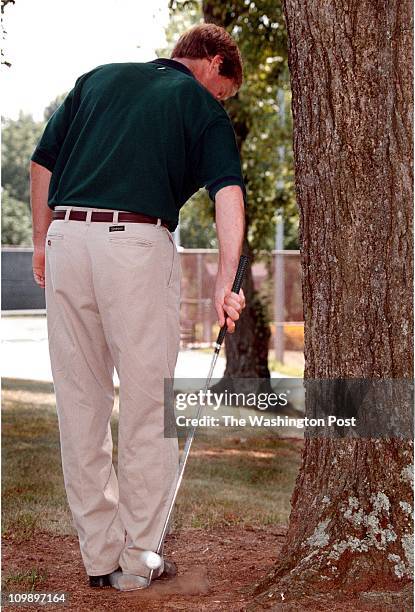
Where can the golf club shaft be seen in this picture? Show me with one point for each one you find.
(243, 262)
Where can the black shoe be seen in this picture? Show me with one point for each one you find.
(100, 581)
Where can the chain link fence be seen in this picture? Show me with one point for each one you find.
(278, 281)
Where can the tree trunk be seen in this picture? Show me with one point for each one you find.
(351, 75)
(247, 348)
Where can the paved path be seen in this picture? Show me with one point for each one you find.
(26, 355)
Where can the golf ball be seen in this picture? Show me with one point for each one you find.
(151, 559)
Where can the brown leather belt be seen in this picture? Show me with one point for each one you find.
(108, 217)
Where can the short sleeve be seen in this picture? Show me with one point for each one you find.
(216, 161)
(47, 150)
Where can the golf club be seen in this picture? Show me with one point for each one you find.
(153, 560)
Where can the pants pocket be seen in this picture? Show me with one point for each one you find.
(171, 260)
(52, 237)
(130, 241)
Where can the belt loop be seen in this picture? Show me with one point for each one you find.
(88, 216)
(115, 216)
(158, 222)
(67, 213)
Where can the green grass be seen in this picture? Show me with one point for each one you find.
(32, 483)
(239, 485)
(231, 479)
(25, 581)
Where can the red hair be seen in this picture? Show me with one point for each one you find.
(207, 40)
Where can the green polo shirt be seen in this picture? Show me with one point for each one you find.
(140, 137)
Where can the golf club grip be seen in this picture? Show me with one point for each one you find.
(237, 284)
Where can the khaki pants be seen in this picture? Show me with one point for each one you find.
(113, 300)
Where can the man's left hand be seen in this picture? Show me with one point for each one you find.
(38, 265)
(229, 305)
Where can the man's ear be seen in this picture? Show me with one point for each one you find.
(217, 62)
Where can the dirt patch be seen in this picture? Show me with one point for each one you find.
(217, 570)
(228, 560)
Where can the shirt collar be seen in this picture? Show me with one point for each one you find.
(173, 64)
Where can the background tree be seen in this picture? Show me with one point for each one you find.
(196, 228)
(19, 138)
(262, 122)
(351, 74)
(16, 225)
(54, 105)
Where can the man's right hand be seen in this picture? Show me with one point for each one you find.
(38, 265)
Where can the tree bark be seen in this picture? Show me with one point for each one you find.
(247, 348)
(351, 76)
